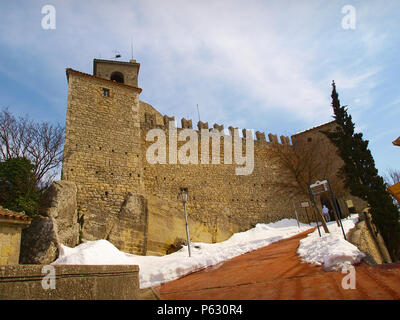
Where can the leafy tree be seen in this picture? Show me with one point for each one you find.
(18, 188)
(361, 176)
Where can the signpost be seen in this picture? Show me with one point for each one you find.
(313, 206)
(336, 208)
(321, 187)
(305, 205)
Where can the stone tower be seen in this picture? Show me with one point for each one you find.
(102, 152)
(121, 72)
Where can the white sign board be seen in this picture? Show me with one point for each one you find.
(349, 204)
(305, 204)
(319, 187)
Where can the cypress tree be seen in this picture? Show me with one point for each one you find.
(361, 176)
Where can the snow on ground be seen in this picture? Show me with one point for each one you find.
(330, 250)
(155, 270)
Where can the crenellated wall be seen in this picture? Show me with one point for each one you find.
(123, 197)
(220, 202)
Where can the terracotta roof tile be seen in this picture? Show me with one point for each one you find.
(69, 70)
(8, 214)
(314, 128)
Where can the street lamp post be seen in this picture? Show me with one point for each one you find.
(183, 196)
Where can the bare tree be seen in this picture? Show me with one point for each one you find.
(306, 163)
(392, 177)
(41, 143)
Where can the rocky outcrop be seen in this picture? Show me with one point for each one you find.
(365, 236)
(57, 224)
(128, 228)
(177, 245)
(39, 243)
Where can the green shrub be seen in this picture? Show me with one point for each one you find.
(18, 189)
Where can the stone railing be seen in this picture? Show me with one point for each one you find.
(72, 282)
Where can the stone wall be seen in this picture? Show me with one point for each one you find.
(11, 225)
(220, 199)
(72, 282)
(105, 155)
(10, 239)
(316, 134)
(365, 236)
(129, 228)
(57, 224)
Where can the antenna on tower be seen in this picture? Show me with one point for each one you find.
(132, 47)
(198, 112)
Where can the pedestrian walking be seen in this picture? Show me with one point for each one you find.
(325, 212)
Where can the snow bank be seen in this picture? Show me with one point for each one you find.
(330, 250)
(156, 270)
(92, 252)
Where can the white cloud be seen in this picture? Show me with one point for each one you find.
(269, 54)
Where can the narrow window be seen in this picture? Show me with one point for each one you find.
(309, 139)
(106, 92)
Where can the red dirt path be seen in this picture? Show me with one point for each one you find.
(275, 272)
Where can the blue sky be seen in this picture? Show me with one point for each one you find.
(262, 65)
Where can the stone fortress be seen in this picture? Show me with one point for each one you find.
(133, 204)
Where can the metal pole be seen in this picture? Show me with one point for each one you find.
(313, 206)
(187, 229)
(297, 218)
(198, 112)
(308, 219)
(336, 208)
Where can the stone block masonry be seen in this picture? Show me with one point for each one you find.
(72, 282)
(9, 244)
(11, 225)
(102, 153)
(124, 198)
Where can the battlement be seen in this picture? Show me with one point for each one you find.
(132, 201)
(260, 137)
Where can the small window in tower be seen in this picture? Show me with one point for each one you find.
(117, 77)
(106, 92)
(309, 139)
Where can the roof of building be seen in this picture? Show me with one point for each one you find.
(314, 128)
(11, 215)
(396, 142)
(131, 62)
(69, 71)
